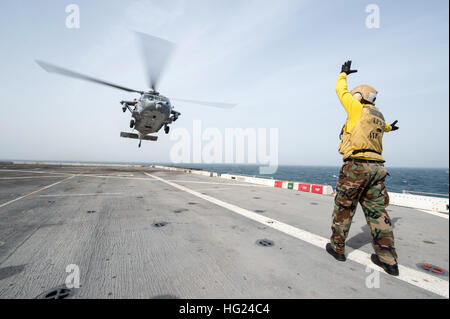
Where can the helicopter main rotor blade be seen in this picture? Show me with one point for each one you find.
(213, 104)
(156, 53)
(56, 69)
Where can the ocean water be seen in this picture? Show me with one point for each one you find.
(430, 180)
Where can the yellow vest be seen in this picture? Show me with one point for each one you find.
(365, 139)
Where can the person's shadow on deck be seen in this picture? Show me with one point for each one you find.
(365, 237)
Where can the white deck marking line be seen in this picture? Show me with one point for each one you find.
(28, 177)
(36, 191)
(443, 215)
(212, 189)
(217, 183)
(411, 276)
(93, 194)
(30, 171)
(112, 176)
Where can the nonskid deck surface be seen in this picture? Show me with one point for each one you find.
(102, 219)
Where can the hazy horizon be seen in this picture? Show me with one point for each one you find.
(198, 164)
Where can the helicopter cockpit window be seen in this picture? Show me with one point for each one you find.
(148, 96)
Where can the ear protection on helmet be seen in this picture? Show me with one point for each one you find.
(357, 96)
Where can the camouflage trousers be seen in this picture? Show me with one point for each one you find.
(363, 183)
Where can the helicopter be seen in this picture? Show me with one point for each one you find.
(151, 111)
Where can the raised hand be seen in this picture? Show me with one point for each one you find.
(394, 127)
(346, 68)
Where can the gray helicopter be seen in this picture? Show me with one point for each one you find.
(151, 111)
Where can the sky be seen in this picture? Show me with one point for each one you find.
(278, 60)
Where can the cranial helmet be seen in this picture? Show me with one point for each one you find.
(365, 94)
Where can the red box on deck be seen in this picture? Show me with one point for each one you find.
(279, 184)
(304, 187)
(318, 189)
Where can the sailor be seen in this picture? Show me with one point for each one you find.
(362, 176)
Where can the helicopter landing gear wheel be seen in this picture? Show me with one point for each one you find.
(131, 123)
(166, 129)
(124, 109)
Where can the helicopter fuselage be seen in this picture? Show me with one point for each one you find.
(150, 113)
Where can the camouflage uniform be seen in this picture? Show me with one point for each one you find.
(363, 183)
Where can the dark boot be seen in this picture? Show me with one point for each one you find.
(390, 269)
(332, 252)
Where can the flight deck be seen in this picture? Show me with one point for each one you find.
(146, 232)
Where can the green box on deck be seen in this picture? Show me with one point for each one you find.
(290, 185)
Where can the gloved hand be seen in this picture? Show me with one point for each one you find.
(394, 127)
(346, 68)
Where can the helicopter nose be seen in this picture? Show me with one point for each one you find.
(155, 106)
(161, 104)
